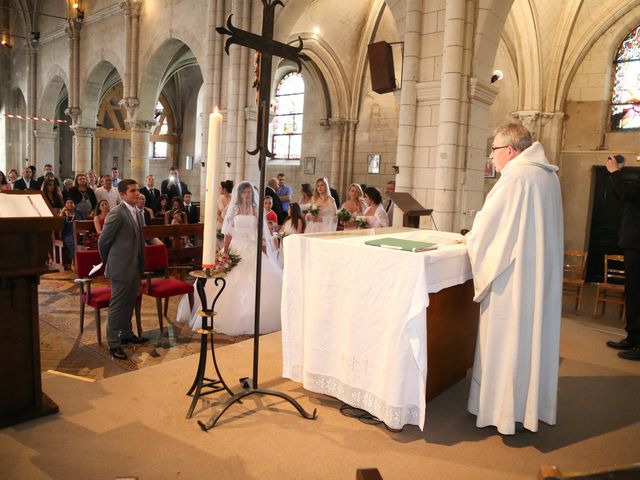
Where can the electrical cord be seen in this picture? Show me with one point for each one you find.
(365, 417)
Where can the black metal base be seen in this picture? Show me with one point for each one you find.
(203, 385)
(249, 390)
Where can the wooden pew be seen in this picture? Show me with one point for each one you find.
(169, 234)
(177, 255)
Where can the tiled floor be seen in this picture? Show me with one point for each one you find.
(64, 349)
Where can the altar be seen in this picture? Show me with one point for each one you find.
(380, 329)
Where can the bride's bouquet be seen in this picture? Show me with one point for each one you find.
(344, 215)
(361, 222)
(224, 262)
(314, 210)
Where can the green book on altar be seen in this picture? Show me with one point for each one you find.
(401, 244)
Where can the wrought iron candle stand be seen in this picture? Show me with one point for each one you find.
(201, 384)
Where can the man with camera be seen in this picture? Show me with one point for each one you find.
(173, 186)
(628, 190)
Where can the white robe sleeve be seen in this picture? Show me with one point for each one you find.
(492, 241)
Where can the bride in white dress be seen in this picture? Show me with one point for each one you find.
(235, 307)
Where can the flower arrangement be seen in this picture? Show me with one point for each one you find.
(282, 234)
(314, 210)
(224, 262)
(361, 222)
(344, 215)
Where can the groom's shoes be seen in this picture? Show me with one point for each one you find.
(134, 340)
(118, 353)
(632, 354)
(621, 345)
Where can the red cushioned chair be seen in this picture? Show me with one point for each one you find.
(98, 298)
(156, 261)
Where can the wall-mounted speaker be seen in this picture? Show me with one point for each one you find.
(383, 78)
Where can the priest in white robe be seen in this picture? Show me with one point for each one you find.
(516, 252)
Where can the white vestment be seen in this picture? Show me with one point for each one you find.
(516, 252)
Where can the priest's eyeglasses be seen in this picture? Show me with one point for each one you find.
(493, 149)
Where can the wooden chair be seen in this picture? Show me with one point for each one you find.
(156, 260)
(575, 265)
(631, 472)
(611, 290)
(98, 298)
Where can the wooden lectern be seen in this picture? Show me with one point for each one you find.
(26, 223)
(411, 209)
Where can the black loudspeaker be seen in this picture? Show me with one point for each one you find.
(383, 78)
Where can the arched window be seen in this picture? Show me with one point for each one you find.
(286, 143)
(162, 129)
(625, 99)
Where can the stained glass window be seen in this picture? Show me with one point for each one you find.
(625, 99)
(286, 126)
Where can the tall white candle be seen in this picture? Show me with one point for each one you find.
(211, 195)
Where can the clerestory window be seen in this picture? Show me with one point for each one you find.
(625, 97)
(286, 142)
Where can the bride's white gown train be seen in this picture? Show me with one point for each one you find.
(235, 307)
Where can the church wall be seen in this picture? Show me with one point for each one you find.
(586, 139)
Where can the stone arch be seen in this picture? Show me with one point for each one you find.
(158, 65)
(91, 94)
(491, 16)
(520, 34)
(587, 41)
(328, 67)
(50, 98)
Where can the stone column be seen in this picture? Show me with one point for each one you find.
(47, 146)
(140, 135)
(337, 151)
(448, 168)
(96, 163)
(129, 100)
(32, 78)
(408, 96)
(551, 137)
(82, 148)
(73, 33)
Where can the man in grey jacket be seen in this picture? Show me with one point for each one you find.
(121, 245)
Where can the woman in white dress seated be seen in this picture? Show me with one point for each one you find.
(375, 213)
(326, 220)
(355, 206)
(235, 307)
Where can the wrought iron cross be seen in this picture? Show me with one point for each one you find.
(266, 47)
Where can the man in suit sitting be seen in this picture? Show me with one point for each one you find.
(121, 246)
(193, 215)
(173, 186)
(26, 182)
(270, 191)
(151, 194)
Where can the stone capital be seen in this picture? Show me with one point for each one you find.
(131, 7)
(74, 113)
(73, 28)
(481, 91)
(130, 104)
(141, 125)
(79, 131)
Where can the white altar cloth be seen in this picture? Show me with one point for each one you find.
(354, 317)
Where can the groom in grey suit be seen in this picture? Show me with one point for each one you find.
(121, 246)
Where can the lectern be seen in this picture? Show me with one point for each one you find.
(26, 223)
(411, 209)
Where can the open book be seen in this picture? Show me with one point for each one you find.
(402, 244)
